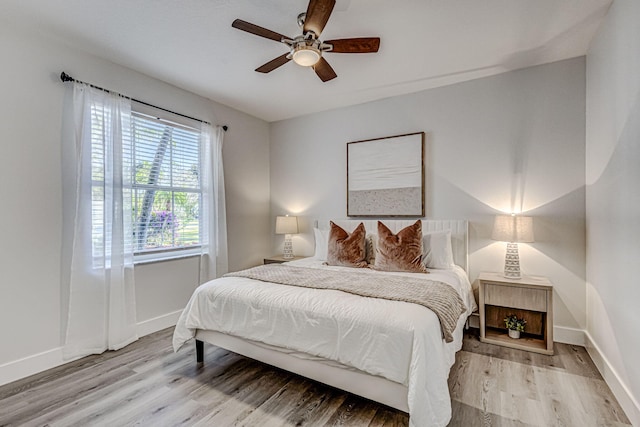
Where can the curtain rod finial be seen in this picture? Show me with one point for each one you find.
(225, 128)
(66, 77)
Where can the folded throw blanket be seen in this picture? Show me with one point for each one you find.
(438, 297)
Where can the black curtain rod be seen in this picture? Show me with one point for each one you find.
(67, 78)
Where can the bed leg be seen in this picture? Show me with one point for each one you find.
(199, 351)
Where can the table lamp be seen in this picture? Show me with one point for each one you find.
(512, 229)
(287, 225)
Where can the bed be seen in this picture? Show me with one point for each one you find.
(392, 352)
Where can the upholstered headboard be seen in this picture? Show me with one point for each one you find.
(459, 232)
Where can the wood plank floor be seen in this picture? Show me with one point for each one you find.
(146, 384)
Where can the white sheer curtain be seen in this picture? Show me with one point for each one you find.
(214, 260)
(99, 262)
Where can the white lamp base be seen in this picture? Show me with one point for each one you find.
(288, 247)
(512, 262)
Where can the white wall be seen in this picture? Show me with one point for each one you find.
(514, 141)
(613, 202)
(32, 298)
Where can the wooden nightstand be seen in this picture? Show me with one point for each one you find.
(278, 259)
(530, 297)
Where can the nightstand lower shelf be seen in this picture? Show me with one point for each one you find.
(529, 343)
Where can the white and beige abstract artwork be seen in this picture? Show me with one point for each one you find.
(385, 176)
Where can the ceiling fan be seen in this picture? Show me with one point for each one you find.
(306, 49)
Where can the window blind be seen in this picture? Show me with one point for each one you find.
(167, 192)
(163, 160)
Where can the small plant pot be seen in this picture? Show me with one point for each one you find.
(514, 334)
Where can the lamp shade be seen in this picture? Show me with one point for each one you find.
(286, 225)
(513, 228)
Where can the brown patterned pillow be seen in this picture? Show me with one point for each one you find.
(402, 251)
(344, 249)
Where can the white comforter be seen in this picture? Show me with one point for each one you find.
(396, 340)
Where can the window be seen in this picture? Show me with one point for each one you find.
(166, 185)
(162, 186)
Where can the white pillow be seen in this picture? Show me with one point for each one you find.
(436, 250)
(322, 242)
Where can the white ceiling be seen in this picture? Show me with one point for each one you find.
(424, 44)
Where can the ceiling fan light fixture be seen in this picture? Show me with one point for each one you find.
(306, 56)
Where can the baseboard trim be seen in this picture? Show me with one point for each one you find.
(30, 365)
(22, 368)
(567, 335)
(620, 390)
(159, 323)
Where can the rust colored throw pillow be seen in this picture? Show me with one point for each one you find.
(402, 251)
(344, 249)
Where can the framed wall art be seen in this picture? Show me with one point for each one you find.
(385, 176)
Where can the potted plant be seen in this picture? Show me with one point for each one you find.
(514, 325)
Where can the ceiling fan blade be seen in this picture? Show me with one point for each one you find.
(273, 64)
(357, 45)
(318, 13)
(257, 30)
(324, 70)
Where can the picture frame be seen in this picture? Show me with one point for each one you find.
(385, 176)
